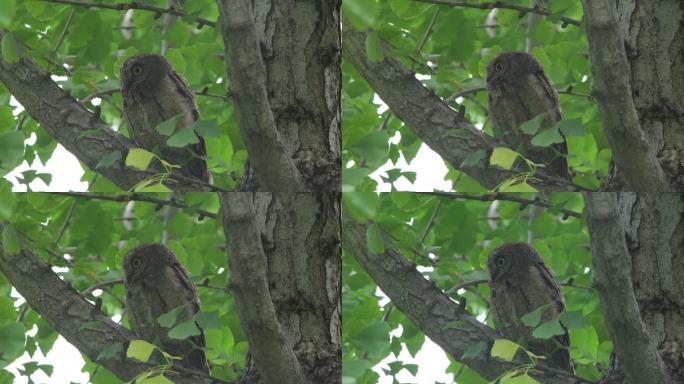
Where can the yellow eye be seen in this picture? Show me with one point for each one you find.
(500, 262)
(137, 70)
(136, 263)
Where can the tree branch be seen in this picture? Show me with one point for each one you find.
(274, 168)
(501, 5)
(635, 159)
(135, 5)
(79, 322)
(504, 196)
(274, 358)
(77, 129)
(433, 311)
(431, 119)
(635, 348)
(137, 197)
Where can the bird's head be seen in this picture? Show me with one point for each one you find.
(509, 258)
(143, 73)
(147, 260)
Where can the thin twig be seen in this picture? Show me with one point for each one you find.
(471, 91)
(64, 31)
(420, 46)
(136, 197)
(95, 94)
(65, 223)
(429, 224)
(503, 196)
(501, 5)
(135, 5)
(100, 285)
(465, 284)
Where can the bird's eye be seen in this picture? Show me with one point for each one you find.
(500, 262)
(498, 67)
(137, 70)
(136, 263)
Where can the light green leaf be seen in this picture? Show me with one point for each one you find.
(159, 379)
(522, 379)
(573, 319)
(139, 158)
(531, 319)
(8, 9)
(530, 126)
(184, 330)
(9, 48)
(549, 329)
(8, 200)
(519, 187)
(374, 239)
(373, 47)
(168, 319)
(140, 350)
(176, 58)
(360, 13)
(10, 240)
(167, 127)
(547, 137)
(503, 157)
(504, 349)
(182, 138)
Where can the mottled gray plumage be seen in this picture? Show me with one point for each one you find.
(520, 283)
(156, 283)
(518, 91)
(152, 93)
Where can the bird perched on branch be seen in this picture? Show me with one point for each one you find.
(521, 283)
(155, 284)
(153, 93)
(519, 91)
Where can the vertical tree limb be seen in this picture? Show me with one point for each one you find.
(635, 347)
(634, 157)
(274, 358)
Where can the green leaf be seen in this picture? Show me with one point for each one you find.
(519, 187)
(184, 330)
(547, 137)
(530, 126)
(9, 48)
(474, 158)
(159, 379)
(361, 13)
(176, 58)
(139, 158)
(549, 329)
(374, 239)
(8, 8)
(504, 349)
(168, 319)
(531, 319)
(503, 157)
(474, 350)
(373, 47)
(140, 350)
(13, 338)
(573, 319)
(8, 200)
(206, 128)
(11, 149)
(109, 159)
(572, 127)
(208, 320)
(10, 240)
(110, 351)
(182, 138)
(167, 127)
(374, 339)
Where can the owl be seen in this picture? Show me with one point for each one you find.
(156, 283)
(520, 282)
(152, 93)
(518, 91)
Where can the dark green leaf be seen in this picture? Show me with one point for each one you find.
(182, 138)
(530, 127)
(168, 319)
(549, 329)
(184, 330)
(167, 127)
(374, 239)
(531, 319)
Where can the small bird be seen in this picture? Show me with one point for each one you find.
(520, 282)
(156, 283)
(152, 93)
(519, 91)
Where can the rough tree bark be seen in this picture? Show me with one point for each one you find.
(296, 275)
(637, 243)
(284, 69)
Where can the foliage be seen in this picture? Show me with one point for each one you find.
(450, 240)
(88, 59)
(93, 236)
(456, 50)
